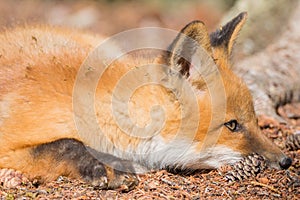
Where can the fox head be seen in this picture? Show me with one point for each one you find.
(208, 116)
(228, 127)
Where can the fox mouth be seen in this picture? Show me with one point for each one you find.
(273, 165)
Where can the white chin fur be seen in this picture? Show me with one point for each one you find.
(180, 154)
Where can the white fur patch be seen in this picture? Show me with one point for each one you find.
(179, 154)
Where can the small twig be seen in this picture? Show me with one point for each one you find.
(171, 183)
(226, 193)
(264, 185)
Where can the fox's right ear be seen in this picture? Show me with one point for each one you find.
(182, 50)
(222, 40)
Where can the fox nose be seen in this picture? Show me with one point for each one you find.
(285, 163)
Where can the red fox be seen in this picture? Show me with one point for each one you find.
(38, 134)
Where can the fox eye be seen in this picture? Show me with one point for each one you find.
(233, 125)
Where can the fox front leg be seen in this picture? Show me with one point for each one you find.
(70, 157)
(102, 170)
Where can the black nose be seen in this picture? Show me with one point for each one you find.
(285, 163)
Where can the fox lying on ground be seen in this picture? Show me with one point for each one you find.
(38, 135)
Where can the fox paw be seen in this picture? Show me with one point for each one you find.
(124, 182)
(106, 171)
(104, 176)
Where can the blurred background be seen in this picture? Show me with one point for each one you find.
(112, 16)
(267, 18)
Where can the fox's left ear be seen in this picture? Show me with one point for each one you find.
(222, 40)
(183, 50)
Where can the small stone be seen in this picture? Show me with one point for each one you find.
(152, 185)
(264, 180)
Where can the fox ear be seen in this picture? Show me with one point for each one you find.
(223, 39)
(185, 46)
